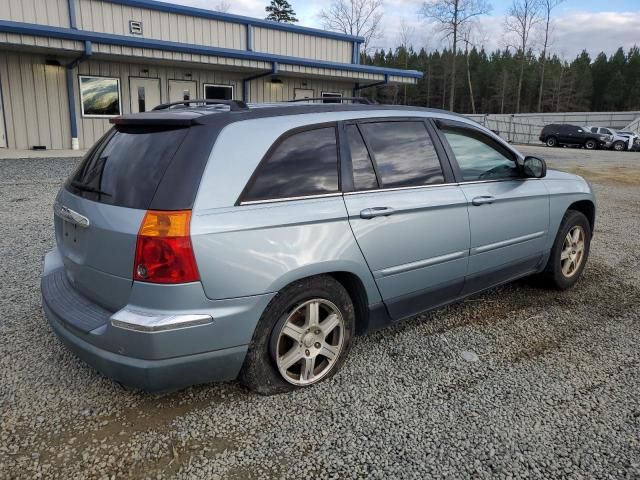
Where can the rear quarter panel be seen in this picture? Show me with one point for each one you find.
(260, 248)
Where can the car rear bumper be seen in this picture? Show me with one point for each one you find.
(151, 375)
(152, 360)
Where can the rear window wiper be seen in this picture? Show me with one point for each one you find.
(88, 188)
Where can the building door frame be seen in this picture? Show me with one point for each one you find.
(171, 81)
(133, 95)
(297, 90)
(3, 121)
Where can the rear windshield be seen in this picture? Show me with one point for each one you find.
(126, 166)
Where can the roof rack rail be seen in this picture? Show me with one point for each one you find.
(361, 100)
(234, 105)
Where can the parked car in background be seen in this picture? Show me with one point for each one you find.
(616, 142)
(187, 254)
(634, 139)
(560, 134)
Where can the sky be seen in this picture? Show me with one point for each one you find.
(594, 25)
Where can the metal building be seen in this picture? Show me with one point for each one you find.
(66, 66)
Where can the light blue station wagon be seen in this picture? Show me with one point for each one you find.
(207, 241)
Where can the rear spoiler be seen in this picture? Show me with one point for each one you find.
(155, 120)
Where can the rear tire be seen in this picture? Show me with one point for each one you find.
(552, 142)
(590, 144)
(570, 251)
(275, 362)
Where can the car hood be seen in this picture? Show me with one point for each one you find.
(559, 175)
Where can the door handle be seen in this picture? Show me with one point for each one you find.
(368, 213)
(483, 200)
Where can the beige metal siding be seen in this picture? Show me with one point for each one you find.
(152, 53)
(262, 90)
(405, 80)
(44, 12)
(31, 41)
(347, 75)
(91, 129)
(35, 102)
(294, 44)
(103, 16)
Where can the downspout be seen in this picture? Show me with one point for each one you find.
(355, 54)
(245, 82)
(71, 95)
(72, 14)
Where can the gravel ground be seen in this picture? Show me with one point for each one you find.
(555, 392)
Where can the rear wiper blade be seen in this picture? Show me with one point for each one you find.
(88, 188)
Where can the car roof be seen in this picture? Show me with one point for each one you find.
(221, 113)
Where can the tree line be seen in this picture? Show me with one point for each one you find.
(489, 81)
(472, 80)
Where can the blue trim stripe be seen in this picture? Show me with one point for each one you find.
(227, 17)
(111, 39)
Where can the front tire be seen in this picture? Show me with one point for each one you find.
(590, 145)
(570, 251)
(619, 146)
(302, 338)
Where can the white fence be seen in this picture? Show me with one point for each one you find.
(525, 127)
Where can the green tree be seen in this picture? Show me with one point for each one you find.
(280, 11)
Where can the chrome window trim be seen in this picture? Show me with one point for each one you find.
(413, 187)
(394, 189)
(290, 199)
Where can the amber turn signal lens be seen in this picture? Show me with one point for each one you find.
(166, 224)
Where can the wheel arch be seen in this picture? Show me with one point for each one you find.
(588, 208)
(362, 291)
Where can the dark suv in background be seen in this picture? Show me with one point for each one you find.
(558, 134)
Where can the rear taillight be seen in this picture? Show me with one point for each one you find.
(164, 253)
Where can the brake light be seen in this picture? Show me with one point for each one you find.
(164, 253)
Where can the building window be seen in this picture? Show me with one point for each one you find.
(331, 97)
(100, 96)
(218, 92)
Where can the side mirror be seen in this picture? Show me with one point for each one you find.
(534, 167)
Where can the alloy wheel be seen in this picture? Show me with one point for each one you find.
(572, 251)
(310, 342)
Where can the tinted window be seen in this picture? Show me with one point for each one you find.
(218, 92)
(303, 164)
(364, 178)
(594, 130)
(126, 167)
(478, 157)
(403, 153)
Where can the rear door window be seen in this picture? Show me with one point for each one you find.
(403, 153)
(126, 166)
(364, 176)
(303, 164)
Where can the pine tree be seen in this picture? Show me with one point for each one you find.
(280, 11)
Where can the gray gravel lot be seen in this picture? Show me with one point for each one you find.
(555, 392)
